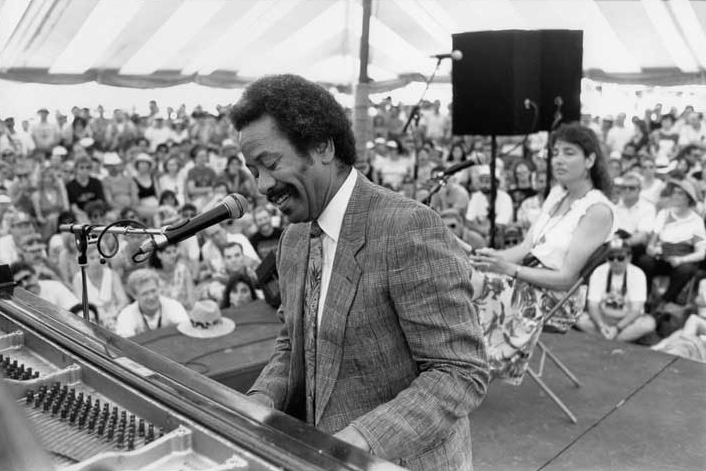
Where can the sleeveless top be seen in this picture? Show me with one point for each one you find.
(552, 235)
(145, 191)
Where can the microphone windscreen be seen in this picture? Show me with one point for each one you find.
(456, 55)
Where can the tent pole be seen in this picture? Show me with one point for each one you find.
(361, 120)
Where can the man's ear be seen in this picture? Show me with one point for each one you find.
(326, 151)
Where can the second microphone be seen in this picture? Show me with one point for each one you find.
(233, 206)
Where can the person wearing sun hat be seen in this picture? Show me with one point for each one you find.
(678, 242)
(147, 186)
(206, 321)
(617, 292)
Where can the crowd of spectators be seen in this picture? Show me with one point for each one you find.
(169, 164)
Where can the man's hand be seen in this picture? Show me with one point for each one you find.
(352, 436)
(262, 399)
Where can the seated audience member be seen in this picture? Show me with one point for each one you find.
(175, 279)
(83, 188)
(171, 179)
(678, 241)
(119, 188)
(239, 179)
(200, 179)
(34, 252)
(220, 191)
(147, 186)
(391, 170)
(469, 239)
(105, 289)
(238, 292)
(635, 216)
(617, 292)
(512, 287)
(688, 342)
(531, 207)
(21, 224)
(22, 188)
(477, 215)
(234, 261)
(49, 201)
(522, 187)
(266, 238)
(452, 195)
(150, 311)
(651, 187)
(50, 290)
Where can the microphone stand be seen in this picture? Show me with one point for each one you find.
(82, 233)
(416, 108)
(558, 117)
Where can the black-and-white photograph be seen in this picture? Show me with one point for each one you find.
(360, 235)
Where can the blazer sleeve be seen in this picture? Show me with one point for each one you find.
(429, 285)
(272, 381)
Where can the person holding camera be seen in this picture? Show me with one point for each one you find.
(617, 291)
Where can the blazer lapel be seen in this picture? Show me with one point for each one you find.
(345, 275)
(293, 270)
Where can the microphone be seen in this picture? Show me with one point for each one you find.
(458, 167)
(233, 206)
(455, 55)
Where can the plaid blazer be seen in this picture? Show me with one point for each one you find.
(400, 351)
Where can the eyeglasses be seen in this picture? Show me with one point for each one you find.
(619, 258)
(629, 187)
(22, 175)
(84, 167)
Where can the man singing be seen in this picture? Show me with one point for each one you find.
(381, 345)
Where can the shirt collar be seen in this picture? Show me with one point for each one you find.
(331, 218)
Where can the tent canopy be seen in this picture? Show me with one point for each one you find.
(227, 43)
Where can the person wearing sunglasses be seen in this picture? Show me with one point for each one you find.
(635, 216)
(617, 291)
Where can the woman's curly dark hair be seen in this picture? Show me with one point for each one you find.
(587, 140)
(304, 112)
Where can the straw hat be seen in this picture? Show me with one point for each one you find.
(206, 321)
(687, 186)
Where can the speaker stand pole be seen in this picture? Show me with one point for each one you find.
(558, 101)
(493, 189)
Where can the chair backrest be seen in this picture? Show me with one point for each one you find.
(598, 257)
(564, 324)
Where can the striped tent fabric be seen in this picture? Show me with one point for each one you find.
(227, 43)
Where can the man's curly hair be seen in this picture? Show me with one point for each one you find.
(304, 112)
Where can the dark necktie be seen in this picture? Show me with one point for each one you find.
(312, 291)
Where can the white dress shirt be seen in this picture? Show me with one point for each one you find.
(331, 220)
(640, 217)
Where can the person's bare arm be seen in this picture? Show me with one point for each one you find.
(591, 232)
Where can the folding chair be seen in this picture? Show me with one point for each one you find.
(597, 258)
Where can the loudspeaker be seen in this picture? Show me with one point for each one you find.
(500, 70)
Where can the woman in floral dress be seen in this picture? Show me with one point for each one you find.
(515, 288)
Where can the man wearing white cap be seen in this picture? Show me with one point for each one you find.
(158, 133)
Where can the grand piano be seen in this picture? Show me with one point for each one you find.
(91, 400)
